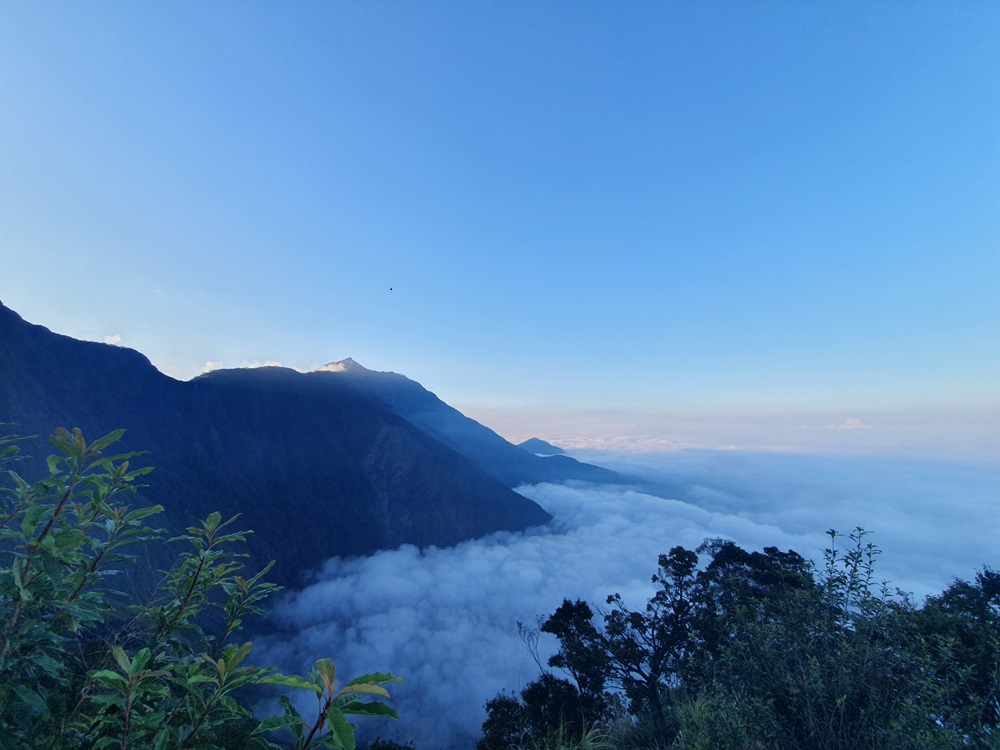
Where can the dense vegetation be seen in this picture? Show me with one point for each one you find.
(764, 650)
(82, 665)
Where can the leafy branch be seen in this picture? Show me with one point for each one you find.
(71, 676)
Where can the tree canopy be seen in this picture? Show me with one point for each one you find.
(766, 650)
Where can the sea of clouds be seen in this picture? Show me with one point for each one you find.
(446, 619)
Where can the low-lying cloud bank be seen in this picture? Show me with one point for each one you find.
(916, 431)
(446, 619)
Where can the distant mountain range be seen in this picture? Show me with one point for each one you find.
(341, 461)
(541, 447)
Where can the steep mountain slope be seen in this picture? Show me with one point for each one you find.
(509, 463)
(315, 471)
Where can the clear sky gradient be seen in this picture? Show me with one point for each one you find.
(770, 224)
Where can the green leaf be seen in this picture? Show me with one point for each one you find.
(49, 665)
(296, 722)
(31, 699)
(373, 708)
(28, 524)
(235, 655)
(139, 513)
(123, 661)
(104, 442)
(366, 688)
(274, 723)
(109, 678)
(293, 681)
(326, 668)
(198, 679)
(341, 730)
(140, 661)
(375, 678)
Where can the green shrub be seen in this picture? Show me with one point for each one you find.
(83, 667)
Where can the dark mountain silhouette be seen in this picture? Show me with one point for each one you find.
(317, 464)
(501, 459)
(541, 447)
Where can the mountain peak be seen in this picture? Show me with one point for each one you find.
(344, 365)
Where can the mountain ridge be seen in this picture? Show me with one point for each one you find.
(318, 465)
(500, 458)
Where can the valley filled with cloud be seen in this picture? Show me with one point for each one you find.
(446, 620)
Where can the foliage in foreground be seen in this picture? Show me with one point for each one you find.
(82, 667)
(766, 651)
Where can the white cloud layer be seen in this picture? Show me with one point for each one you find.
(113, 340)
(852, 423)
(329, 367)
(924, 432)
(445, 619)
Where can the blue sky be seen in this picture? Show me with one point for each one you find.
(771, 225)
